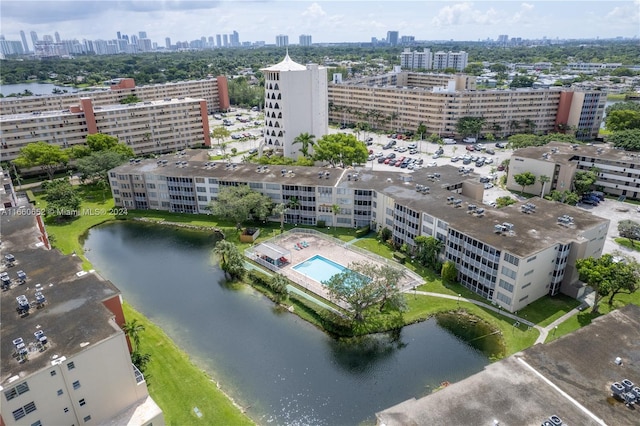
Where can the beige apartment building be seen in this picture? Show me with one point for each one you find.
(618, 170)
(510, 256)
(401, 101)
(147, 127)
(214, 91)
(64, 356)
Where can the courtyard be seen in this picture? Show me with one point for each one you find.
(285, 254)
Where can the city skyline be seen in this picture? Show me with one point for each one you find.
(325, 21)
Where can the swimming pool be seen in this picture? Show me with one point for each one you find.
(319, 268)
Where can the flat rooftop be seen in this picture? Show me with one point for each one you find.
(563, 153)
(569, 377)
(531, 232)
(73, 316)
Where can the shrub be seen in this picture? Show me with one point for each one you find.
(401, 258)
(362, 232)
(321, 224)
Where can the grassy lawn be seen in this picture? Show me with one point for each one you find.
(178, 386)
(624, 242)
(546, 310)
(66, 235)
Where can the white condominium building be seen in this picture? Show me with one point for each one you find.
(510, 256)
(295, 102)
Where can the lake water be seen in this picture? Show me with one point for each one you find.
(285, 370)
(35, 88)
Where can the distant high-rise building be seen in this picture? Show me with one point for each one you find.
(167, 42)
(416, 60)
(503, 39)
(282, 40)
(455, 60)
(407, 39)
(119, 35)
(392, 38)
(23, 37)
(225, 40)
(142, 34)
(34, 39)
(57, 36)
(305, 40)
(218, 40)
(134, 40)
(235, 39)
(210, 42)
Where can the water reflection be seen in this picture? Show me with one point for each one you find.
(283, 368)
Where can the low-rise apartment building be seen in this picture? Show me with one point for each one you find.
(401, 101)
(511, 256)
(214, 91)
(147, 127)
(65, 358)
(618, 170)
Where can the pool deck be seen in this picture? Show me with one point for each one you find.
(334, 250)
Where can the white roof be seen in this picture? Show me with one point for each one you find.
(287, 64)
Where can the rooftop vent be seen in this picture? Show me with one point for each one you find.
(565, 220)
(498, 229)
(555, 420)
(471, 208)
(457, 202)
(508, 226)
(326, 175)
(479, 212)
(528, 208)
(450, 200)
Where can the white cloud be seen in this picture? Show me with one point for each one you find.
(627, 13)
(314, 11)
(522, 16)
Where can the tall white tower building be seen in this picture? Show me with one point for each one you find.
(295, 102)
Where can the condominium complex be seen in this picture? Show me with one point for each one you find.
(282, 40)
(214, 91)
(295, 102)
(618, 171)
(147, 127)
(511, 256)
(401, 101)
(65, 358)
(436, 61)
(305, 40)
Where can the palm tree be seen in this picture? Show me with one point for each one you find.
(293, 204)
(306, 140)
(224, 250)
(280, 209)
(543, 180)
(335, 209)
(132, 330)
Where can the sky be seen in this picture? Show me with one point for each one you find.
(325, 21)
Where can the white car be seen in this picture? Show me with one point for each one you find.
(432, 164)
(488, 185)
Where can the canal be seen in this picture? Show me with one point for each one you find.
(285, 370)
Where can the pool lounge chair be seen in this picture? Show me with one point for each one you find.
(300, 245)
(305, 244)
(296, 247)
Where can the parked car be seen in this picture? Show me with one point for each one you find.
(413, 151)
(412, 145)
(391, 155)
(253, 151)
(488, 185)
(449, 141)
(432, 164)
(501, 144)
(381, 160)
(455, 159)
(500, 168)
(470, 148)
(369, 139)
(490, 151)
(469, 140)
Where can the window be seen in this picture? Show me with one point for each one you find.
(53, 373)
(531, 259)
(511, 259)
(23, 411)
(524, 298)
(503, 298)
(60, 392)
(508, 272)
(82, 402)
(36, 423)
(506, 286)
(526, 285)
(76, 384)
(528, 273)
(87, 418)
(71, 365)
(17, 390)
(66, 409)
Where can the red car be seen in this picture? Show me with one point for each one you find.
(500, 168)
(470, 148)
(398, 163)
(387, 161)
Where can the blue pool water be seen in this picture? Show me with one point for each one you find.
(319, 268)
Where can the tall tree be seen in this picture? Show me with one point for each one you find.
(100, 142)
(525, 179)
(96, 165)
(623, 120)
(609, 275)
(220, 133)
(543, 179)
(362, 286)
(62, 198)
(428, 250)
(230, 258)
(340, 149)
(583, 180)
(133, 329)
(41, 154)
(335, 209)
(306, 141)
(280, 209)
(240, 203)
(470, 126)
(629, 229)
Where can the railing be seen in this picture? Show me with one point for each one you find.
(138, 374)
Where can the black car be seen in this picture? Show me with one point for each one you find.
(391, 155)
(381, 160)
